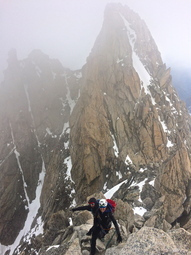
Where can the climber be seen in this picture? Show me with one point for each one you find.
(102, 224)
(93, 206)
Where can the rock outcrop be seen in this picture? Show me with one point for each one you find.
(154, 241)
(34, 112)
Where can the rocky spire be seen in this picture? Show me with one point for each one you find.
(128, 108)
(68, 134)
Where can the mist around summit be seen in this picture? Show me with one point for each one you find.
(116, 128)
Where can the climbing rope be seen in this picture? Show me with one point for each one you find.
(110, 240)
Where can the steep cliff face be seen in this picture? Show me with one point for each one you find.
(66, 134)
(127, 100)
(35, 109)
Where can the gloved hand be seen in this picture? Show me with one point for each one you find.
(119, 238)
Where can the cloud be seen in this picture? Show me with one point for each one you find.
(67, 29)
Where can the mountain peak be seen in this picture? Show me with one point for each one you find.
(116, 124)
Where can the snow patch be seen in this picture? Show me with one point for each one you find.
(128, 161)
(119, 175)
(137, 64)
(115, 148)
(68, 162)
(33, 208)
(110, 192)
(50, 133)
(53, 246)
(139, 210)
(68, 96)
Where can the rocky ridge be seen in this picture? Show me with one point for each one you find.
(68, 134)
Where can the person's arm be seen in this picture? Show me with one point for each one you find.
(95, 221)
(119, 238)
(82, 208)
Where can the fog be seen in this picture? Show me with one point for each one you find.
(67, 29)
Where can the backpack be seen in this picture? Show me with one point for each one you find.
(111, 204)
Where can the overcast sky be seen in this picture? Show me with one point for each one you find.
(67, 29)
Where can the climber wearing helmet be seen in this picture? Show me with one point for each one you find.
(92, 207)
(102, 224)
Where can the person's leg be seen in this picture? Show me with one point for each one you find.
(102, 234)
(89, 232)
(95, 235)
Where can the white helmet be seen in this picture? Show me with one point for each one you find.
(102, 203)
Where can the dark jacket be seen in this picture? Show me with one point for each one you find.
(93, 210)
(105, 219)
(102, 225)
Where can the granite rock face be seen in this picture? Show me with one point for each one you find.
(65, 135)
(127, 101)
(154, 241)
